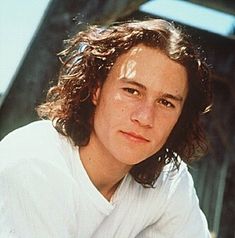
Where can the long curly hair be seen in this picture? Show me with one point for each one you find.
(86, 61)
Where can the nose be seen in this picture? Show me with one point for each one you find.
(144, 115)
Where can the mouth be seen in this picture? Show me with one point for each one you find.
(135, 137)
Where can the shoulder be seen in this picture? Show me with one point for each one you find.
(172, 186)
(181, 207)
(174, 206)
(176, 187)
(176, 179)
(30, 132)
(37, 142)
(170, 180)
(35, 155)
(27, 140)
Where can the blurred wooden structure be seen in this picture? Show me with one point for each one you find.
(213, 175)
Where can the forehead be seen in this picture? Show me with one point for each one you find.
(150, 67)
(146, 55)
(147, 61)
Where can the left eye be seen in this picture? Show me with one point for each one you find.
(131, 91)
(166, 103)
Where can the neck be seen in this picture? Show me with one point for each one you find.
(105, 172)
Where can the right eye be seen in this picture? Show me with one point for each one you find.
(132, 91)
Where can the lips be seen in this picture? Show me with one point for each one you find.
(135, 137)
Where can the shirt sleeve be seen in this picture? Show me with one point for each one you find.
(182, 217)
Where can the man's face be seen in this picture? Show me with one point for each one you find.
(138, 105)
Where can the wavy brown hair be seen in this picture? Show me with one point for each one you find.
(86, 62)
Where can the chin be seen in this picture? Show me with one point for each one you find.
(131, 160)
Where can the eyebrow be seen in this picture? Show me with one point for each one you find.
(165, 95)
(133, 83)
(174, 97)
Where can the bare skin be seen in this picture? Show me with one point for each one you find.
(136, 109)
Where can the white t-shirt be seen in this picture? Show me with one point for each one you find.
(45, 192)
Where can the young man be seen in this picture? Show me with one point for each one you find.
(110, 161)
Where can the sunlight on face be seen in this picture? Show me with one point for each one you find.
(128, 69)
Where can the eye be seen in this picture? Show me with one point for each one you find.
(132, 91)
(166, 103)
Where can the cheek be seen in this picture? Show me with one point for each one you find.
(119, 106)
(109, 111)
(165, 124)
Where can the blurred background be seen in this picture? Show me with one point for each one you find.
(32, 33)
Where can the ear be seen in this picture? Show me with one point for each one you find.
(96, 95)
